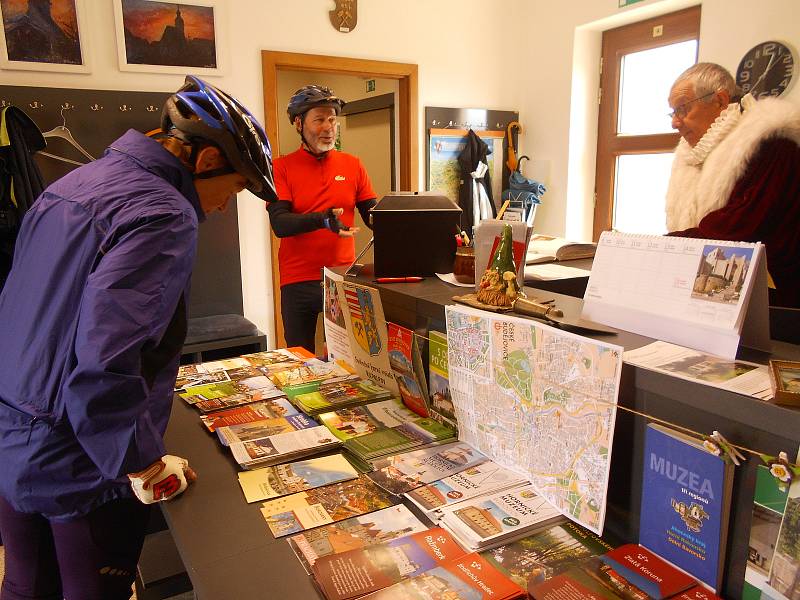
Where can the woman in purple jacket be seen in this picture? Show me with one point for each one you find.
(93, 317)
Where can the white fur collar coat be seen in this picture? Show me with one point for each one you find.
(696, 190)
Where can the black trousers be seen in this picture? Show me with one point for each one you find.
(301, 304)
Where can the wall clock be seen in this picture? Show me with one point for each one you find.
(766, 69)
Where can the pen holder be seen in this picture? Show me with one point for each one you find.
(464, 264)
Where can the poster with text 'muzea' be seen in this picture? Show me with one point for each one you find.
(366, 330)
(539, 401)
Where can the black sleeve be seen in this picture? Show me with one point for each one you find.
(364, 207)
(286, 223)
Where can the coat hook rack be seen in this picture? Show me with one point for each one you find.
(95, 107)
(35, 105)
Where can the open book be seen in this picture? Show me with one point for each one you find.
(546, 248)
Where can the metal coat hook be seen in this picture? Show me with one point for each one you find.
(95, 107)
(35, 105)
(66, 106)
(3, 103)
(151, 108)
(434, 123)
(125, 108)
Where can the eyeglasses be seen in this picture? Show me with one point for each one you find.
(682, 110)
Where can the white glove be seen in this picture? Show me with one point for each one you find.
(163, 480)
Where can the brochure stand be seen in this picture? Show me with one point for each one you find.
(704, 294)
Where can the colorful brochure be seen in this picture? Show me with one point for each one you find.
(280, 480)
(246, 432)
(268, 409)
(318, 397)
(478, 480)
(359, 572)
(356, 532)
(283, 447)
(324, 505)
(403, 472)
(410, 378)
(499, 518)
(467, 577)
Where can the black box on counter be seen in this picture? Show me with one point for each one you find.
(414, 234)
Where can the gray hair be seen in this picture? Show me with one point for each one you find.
(707, 78)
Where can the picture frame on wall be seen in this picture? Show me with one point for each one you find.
(44, 35)
(170, 37)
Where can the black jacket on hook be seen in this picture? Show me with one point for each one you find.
(475, 151)
(20, 179)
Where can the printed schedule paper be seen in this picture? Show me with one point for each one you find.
(704, 294)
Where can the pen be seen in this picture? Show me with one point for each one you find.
(399, 279)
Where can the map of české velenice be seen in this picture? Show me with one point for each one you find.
(540, 401)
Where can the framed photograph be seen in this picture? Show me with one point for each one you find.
(785, 378)
(170, 37)
(44, 35)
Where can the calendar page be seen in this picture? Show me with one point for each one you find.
(693, 292)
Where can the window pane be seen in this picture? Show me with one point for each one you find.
(641, 186)
(644, 85)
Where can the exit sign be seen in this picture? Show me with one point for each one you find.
(370, 85)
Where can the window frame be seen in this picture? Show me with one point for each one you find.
(676, 27)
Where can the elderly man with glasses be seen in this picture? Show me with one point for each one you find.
(736, 171)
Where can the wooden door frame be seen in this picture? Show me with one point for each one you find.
(408, 116)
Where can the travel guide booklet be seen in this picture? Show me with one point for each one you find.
(469, 578)
(323, 396)
(545, 554)
(283, 447)
(191, 375)
(358, 572)
(401, 473)
(498, 518)
(647, 571)
(784, 573)
(587, 579)
(686, 494)
(441, 402)
(247, 413)
(324, 505)
(406, 365)
(356, 532)
(477, 480)
(698, 592)
(230, 393)
(246, 432)
(279, 480)
(311, 370)
(547, 248)
(347, 423)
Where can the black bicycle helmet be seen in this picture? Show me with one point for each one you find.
(312, 96)
(199, 111)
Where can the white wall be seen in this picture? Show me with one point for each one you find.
(503, 54)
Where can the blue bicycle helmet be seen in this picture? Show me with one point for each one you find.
(199, 111)
(312, 96)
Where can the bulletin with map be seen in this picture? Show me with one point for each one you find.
(539, 401)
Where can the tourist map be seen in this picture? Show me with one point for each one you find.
(540, 401)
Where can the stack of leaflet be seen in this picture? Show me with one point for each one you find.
(263, 428)
(479, 480)
(324, 396)
(495, 519)
(283, 447)
(356, 532)
(469, 576)
(383, 428)
(401, 473)
(247, 413)
(299, 476)
(312, 370)
(381, 565)
(630, 571)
